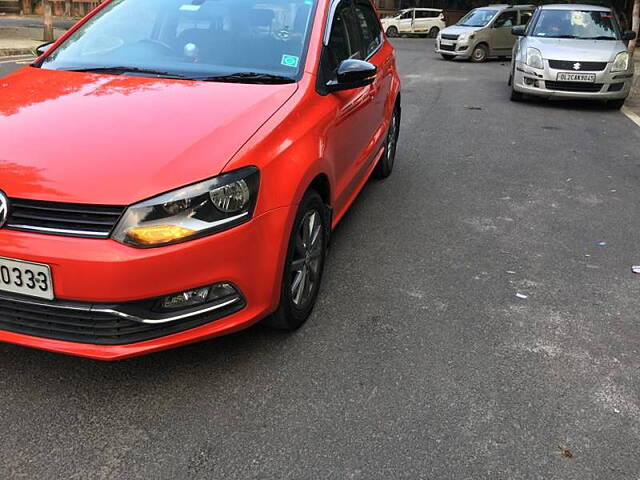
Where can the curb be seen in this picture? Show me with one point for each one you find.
(8, 52)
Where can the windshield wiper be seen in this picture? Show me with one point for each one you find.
(117, 70)
(601, 37)
(247, 77)
(559, 36)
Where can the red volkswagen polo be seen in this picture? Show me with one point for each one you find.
(171, 170)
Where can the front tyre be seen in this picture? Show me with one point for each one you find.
(385, 164)
(304, 264)
(515, 95)
(479, 54)
(392, 32)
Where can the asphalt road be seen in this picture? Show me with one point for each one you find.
(420, 362)
(11, 64)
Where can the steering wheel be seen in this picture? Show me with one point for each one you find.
(166, 49)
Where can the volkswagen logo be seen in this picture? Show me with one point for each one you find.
(4, 209)
(577, 66)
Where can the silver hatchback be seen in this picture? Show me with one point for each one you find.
(572, 51)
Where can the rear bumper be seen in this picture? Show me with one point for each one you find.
(612, 86)
(103, 271)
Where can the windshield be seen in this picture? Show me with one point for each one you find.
(586, 25)
(192, 39)
(477, 18)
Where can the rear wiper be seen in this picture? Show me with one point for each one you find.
(247, 77)
(117, 70)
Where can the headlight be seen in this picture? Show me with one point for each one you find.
(463, 37)
(201, 209)
(621, 62)
(534, 58)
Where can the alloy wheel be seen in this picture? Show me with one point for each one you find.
(392, 140)
(307, 258)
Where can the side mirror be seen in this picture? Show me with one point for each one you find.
(518, 30)
(628, 35)
(352, 74)
(40, 49)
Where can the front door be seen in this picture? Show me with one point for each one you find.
(405, 24)
(349, 135)
(502, 40)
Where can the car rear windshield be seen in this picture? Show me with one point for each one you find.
(477, 18)
(585, 25)
(243, 40)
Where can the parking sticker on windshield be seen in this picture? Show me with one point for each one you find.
(290, 61)
(190, 8)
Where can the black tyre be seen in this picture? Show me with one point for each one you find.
(616, 104)
(515, 95)
(386, 162)
(304, 264)
(479, 54)
(447, 57)
(433, 33)
(392, 32)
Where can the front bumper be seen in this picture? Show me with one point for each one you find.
(457, 49)
(104, 272)
(543, 83)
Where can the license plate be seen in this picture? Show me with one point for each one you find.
(576, 77)
(26, 278)
(445, 42)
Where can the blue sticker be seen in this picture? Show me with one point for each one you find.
(308, 2)
(290, 61)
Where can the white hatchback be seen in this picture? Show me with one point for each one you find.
(423, 21)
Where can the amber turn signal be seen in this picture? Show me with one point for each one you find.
(158, 234)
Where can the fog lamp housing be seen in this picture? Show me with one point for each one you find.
(195, 297)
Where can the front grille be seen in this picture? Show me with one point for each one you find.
(584, 66)
(448, 36)
(68, 219)
(450, 48)
(573, 86)
(78, 322)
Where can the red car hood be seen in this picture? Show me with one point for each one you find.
(115, 140)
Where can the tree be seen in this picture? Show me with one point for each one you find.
(48, 21)
(635, 24)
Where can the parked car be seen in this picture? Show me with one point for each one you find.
(483, 32)
(572, 51)
(421, 21)
(190, 162)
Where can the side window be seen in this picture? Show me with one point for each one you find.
(343, 42)
(506, 19)
(369, 27)
(525, 16)
(407, 15)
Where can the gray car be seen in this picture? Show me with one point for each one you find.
(572, 51)
(483, 32)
